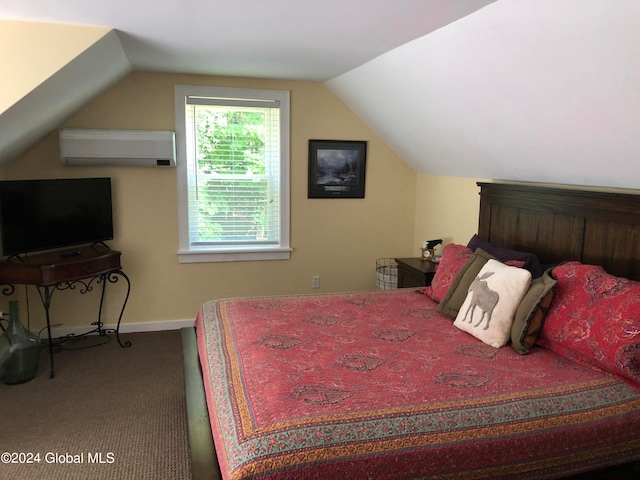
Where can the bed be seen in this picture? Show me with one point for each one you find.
(382, 385)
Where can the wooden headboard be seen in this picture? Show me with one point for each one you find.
(564, 223)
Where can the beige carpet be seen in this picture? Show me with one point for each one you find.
(124, 407)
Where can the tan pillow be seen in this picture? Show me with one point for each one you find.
(494, 295)
(529, 316)
(455, 296)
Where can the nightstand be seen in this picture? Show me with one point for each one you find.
(415, 272)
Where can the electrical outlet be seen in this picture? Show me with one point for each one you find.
(315, 281)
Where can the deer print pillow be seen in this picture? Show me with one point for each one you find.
(494, 295)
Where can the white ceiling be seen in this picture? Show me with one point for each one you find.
(537, 90)
(288, 39)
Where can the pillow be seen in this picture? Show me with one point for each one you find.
(453, 259)
(595, 319)
(457, 293)
(530, 314)
(531, 262)
(487, 312)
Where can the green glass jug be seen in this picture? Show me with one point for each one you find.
(19, 350)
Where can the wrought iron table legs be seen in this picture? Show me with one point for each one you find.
(46, 293)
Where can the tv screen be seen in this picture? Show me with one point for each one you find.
(47, 214)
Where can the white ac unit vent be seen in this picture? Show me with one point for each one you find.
(149, 148)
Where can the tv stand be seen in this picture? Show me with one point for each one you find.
(81, 267)
(71, 253)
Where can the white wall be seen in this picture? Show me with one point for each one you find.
(538, 90)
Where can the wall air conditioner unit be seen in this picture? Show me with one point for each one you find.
(118, 147)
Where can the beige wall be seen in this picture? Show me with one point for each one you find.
(447, 208)
(53, 45)
(339, 240)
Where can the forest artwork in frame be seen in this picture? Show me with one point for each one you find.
(337, 168)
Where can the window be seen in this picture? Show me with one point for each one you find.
(233, 173)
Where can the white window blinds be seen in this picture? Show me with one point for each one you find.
(234, 172)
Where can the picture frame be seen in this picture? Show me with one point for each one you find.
(337, 168)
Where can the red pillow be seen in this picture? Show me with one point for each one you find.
(454, 257)
(595, 319)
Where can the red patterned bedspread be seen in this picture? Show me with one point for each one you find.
(378, 385)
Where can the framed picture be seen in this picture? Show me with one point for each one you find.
(337, 168)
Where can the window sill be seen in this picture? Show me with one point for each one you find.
(231, 255)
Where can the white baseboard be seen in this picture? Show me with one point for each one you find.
(61, 331)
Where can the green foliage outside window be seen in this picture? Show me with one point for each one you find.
(232, 186)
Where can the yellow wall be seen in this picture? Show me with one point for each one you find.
(339, 240)
(53, 46)
(447, 208)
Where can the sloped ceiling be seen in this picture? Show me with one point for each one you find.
(537, 90)
(286, 39)
(520, 90)
(54, 70)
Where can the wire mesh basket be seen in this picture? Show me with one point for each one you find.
(386, 274)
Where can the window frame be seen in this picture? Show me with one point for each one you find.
(188, 253)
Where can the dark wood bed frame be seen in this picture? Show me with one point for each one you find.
(557, 223)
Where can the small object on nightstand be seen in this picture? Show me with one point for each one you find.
(428, 248)
(427, 253)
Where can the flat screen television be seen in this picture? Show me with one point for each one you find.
(47, 214)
